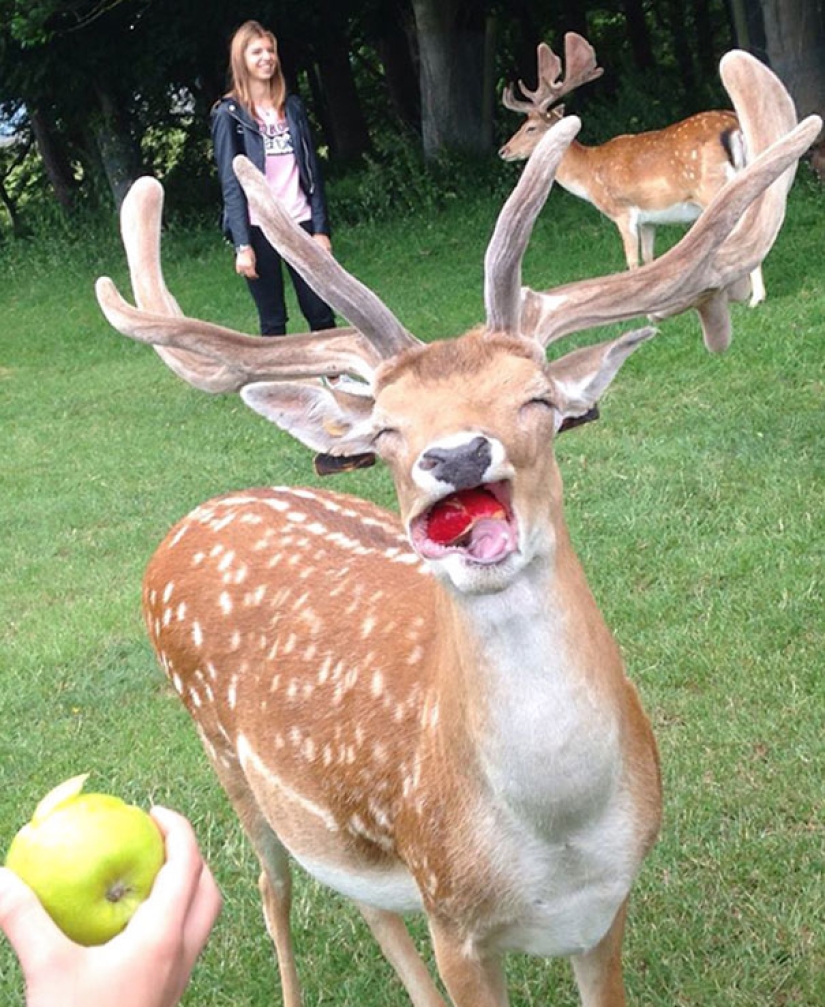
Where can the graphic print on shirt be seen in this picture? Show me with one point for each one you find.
(281, 167)
(277, 139)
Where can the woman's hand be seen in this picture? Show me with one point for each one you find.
(324, 241)
(245, 264)
(148, 965)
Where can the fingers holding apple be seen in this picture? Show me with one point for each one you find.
(185, 892)
(91, 859)
(21, 915)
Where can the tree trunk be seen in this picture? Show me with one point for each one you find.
(748, 26)
(681, 45)
(573, 17)
(118, 150)
(526, 35)
(638, 34)
(8, 202)
(348, 136)
(705, 51)
(51, 150)
(451, 44)
(396, 55)
(795, 41)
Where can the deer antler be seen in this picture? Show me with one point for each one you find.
(505, 252)
(342, 291)
(580, 65)
(217, 359)
(731, 237)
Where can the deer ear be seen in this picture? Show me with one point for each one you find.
(582, 377)
(328, 421)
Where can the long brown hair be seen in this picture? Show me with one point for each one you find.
(238, 73)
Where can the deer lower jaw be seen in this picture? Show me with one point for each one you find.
(480, 529)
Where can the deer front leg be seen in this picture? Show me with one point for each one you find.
(472, 979)
(394, 940)
(628, 226)
(599, 972)
(275, 881)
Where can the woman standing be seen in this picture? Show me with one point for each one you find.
(259, 119)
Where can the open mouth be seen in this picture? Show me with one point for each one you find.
(476, 523)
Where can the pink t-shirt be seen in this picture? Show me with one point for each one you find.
(281, 167)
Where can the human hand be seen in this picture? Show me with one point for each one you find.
(324, 241)
(149, 964)
(245, 264)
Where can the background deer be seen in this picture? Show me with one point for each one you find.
(426, 710)
(639, 180)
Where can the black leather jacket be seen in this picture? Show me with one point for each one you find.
(234, 131)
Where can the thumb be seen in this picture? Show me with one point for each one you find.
(29, 928)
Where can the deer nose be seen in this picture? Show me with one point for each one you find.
(462, 467)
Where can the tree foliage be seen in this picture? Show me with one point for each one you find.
(97, 91)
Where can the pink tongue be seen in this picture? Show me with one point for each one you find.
(490, 539)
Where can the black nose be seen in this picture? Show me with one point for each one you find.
(461, 467)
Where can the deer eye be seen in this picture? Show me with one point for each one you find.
(536, 406)
(385, 435)
(541, 400)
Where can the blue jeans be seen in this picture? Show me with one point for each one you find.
(268, 290)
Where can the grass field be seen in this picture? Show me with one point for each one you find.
(695, 503)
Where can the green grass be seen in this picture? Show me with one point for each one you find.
(696, 505)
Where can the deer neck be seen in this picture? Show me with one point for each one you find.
(532, 681)
(575, 170)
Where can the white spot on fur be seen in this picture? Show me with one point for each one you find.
(232, 692)
(226, 561)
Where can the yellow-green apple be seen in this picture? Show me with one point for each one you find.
(90, 858)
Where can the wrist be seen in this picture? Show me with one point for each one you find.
(242, 248)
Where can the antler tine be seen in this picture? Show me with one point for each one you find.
(340, 289)
(502, 262)
(765, 114)
(226, 360)
(509, 100)
(210, 357)
(548, 63)
(729, 239)
(579, 63)
(140, 220)
(549, 68)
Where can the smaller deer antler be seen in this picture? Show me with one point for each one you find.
(580, 67)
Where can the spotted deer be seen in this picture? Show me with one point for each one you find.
(637, 180)
(421, 721)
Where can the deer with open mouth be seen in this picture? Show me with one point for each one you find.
(426, 710)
